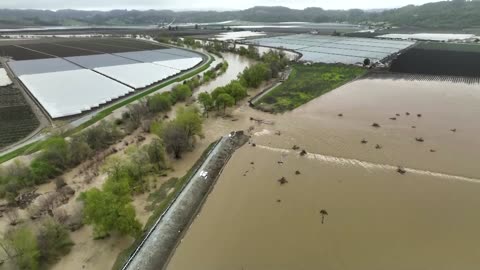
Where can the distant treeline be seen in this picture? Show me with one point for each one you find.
(447, 14)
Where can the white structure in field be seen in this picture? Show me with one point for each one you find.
(239, 35)
(331, 49)
(72, 85)
(139, 75)
(180, 64)
(4, 79)
(67, 93)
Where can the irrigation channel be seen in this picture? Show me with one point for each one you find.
(160, 242)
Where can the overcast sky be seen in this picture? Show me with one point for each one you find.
(203, 4)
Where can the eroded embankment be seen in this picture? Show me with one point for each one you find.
(156, 249)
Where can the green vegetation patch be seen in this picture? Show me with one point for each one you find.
(306, 83)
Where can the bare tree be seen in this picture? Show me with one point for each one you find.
(12, 216)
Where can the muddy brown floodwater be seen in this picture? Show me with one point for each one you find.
(375, 217)
(236, 65)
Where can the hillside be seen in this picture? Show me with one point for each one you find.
(453, 15)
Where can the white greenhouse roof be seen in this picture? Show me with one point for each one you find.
(4, 79)
(331, 49)
(180, 64)
(100, 60)
(138, 75)
(72, 92)
(37, 66)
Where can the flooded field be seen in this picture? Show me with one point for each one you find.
(265, 211)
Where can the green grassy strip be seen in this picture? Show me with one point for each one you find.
(307, 82)
(36, 146)
(161, 207)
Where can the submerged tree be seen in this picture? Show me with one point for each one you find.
(206, 101)
(323, 213)
(224, 100)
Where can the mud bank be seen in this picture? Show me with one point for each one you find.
(155, 251)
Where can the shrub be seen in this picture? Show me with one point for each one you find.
(53, 242)
(159, 103)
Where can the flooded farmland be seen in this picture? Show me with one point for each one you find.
(266, 210)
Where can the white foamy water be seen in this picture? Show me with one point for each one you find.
(369, 165)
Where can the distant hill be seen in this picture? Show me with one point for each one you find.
(451, 14)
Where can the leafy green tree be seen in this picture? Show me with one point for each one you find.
(224, 100)
(78, 150)
(53, 242)
(218, 91)
(25, 247)
(206, 100)
(175, 139)
(110, 210)
(156, 154)
(156, 127)
(159, 103)
(237, 91)
(366, 62)
(102, 135)
(190, 120)
(254, 75)
(181, 92)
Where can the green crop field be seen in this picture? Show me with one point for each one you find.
(306, 83)
(16, 117)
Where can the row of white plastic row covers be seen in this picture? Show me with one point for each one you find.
(66, 93)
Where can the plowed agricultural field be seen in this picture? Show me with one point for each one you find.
(440, 59)
(16, 117)
(58, 50)
(18, 53)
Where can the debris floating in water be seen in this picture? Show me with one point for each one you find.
(407, 113)
(419, 139)
(401, 170)
(378, 146)
(253, 144)
(303, 153)
(419, 115)
(414, 127)
(282, 181)
(279, 200)
(376, 125)
(397, 114)
(340, 115)
(296, 147)
(393, 118)
(363, 141)
(297, 172)
(453, 130)
(433, 150)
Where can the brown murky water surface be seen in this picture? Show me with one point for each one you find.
(377, 218)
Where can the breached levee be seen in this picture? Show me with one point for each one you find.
(159, 244)
(369, 165)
